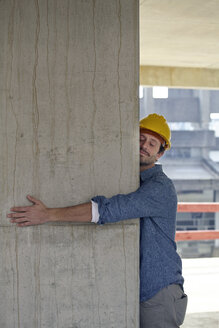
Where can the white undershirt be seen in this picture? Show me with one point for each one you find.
(95, 212)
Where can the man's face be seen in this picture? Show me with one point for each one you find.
(149, 149)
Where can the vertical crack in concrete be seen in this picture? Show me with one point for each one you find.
(5, 176)
(55, 26)
(15, 152)
(55, 285)
(66, 79)
(10, 91)
(19, 87)
(94, 257)
(119, 91)
(17, 276)
(52, 95)
(47, 51)
(12, 255)
(37, 313)
(15, 148)
(125, 273)
(92, 276)
(35, 114)
(51, 102)
(9, 105)
(72, 271)
(67, 93)
(94, 102)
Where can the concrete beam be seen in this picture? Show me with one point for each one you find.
(183, 77)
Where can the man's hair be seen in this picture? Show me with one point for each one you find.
(162, 149)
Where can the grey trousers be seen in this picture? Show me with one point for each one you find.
(165, 310)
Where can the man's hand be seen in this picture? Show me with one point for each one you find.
(35, 214)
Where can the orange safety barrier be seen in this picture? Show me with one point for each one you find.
(197, 235)
(198, 207)
(200, 234)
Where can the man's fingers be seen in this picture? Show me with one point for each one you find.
(19, 209)
(16, 215)
(28, 215)
(21, 220)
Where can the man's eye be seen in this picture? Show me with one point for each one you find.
(152, 145)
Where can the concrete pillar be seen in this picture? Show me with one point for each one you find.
(216, 251)
(69, 131)
(205, 110)
(147, 103)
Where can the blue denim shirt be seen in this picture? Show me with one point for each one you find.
(155, 202)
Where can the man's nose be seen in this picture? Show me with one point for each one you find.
(144, 143)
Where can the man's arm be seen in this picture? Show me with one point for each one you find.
(38, 213)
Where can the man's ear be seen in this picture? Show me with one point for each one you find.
(159, 155)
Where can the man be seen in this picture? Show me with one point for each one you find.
(162, 299)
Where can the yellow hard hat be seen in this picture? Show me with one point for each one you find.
(157, 124)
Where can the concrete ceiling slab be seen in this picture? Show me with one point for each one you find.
(178, 33)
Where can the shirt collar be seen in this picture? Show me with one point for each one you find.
(147, 174)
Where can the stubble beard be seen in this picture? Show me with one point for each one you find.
(147, 161)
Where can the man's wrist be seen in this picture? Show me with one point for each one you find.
(51, 215)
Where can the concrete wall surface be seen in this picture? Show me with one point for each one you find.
(69, 131)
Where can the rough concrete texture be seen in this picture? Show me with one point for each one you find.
(69, 131)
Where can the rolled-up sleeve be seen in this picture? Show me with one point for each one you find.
(149, 200)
